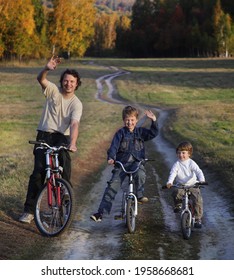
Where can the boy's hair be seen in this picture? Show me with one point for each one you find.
(129, 111)
(185, 146)
(72, 72)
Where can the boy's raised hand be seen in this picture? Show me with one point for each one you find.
(150, 115)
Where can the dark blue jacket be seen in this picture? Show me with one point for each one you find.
(126, 143)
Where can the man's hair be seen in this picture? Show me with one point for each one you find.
(185, 146)
(129, 111)
(72, 72)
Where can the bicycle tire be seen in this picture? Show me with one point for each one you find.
(130, 215)
(124, 207)
(53, 220)
(186, 226)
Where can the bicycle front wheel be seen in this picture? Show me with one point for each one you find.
(124, 207)
(186, 226)
(130, 215)
(52, 220)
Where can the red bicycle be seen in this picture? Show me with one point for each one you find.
(55, 203)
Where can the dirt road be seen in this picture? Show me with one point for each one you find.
(89, 240)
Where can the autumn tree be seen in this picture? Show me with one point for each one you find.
(179, 28)
(72, 27)
(170, 28)
(154, 28)
(105, 33)
(123, 30)
(144, 29)
(18, 37)
(41, 29)
(222, 29)
(2, 26)
(228, 7)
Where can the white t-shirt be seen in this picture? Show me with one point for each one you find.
(185, 172)
(58, 111)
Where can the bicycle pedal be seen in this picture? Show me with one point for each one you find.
(119, 217)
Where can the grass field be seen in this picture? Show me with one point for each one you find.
(199, 93)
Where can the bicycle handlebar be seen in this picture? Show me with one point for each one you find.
(182, 186)
(44, 145)
(138, 165)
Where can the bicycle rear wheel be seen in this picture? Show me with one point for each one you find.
(53, 220)
(130, 215)
(186, 226)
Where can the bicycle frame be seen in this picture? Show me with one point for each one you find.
(187, 205)
(131, 194)
(54, 205)
(129, 201)
(52, 172)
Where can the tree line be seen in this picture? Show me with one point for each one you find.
(153, 28)
(180, 28)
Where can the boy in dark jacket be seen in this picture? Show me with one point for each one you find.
(127, 147)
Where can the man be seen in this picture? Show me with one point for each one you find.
(59, 124)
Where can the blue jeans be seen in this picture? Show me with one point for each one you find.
(116, 181)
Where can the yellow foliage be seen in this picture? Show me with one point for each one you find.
(73, 25)
(18, 13)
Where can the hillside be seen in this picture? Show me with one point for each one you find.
(115, 5)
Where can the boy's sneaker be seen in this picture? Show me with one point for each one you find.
(143, 199)
(26, 218)
(198, 224)
(97, 217)
(177, 208)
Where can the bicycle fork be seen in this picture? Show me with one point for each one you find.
(131, 195)
(51, 179)
(186, 208)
